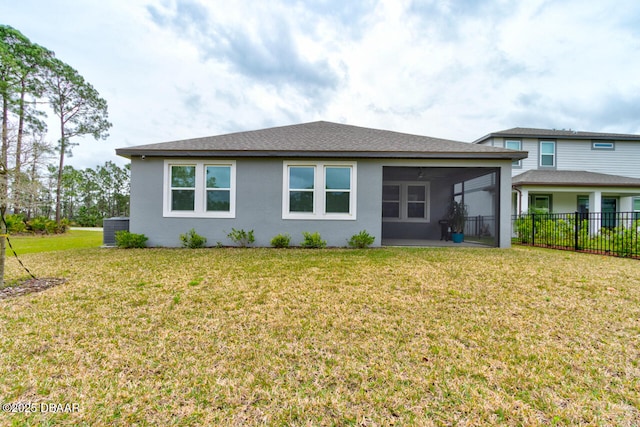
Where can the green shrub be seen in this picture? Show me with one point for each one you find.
(281, 241)
(192, 240)
(45, 225)
(361, 240)
(312, 241)
(15, 223)
(241, 238)
(88, 217)
(127, 240)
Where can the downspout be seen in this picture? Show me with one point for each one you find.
(519, 199)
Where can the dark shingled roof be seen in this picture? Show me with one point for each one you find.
(553, 133)
(320, 139)
(573, 178)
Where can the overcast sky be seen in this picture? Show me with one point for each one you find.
(176, 69)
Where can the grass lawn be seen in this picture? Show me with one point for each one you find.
(72, 239)
(403, 336)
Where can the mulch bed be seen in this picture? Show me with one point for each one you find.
(30, 286)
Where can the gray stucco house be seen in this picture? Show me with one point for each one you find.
(331, 178)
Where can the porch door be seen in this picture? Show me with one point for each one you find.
(609, 208)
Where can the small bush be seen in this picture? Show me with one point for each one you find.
(241, 238)
(127, 240)
(15, 224)
(192, 240)
(281, 241)
(44, 225)
(312, 241)
(361, 240)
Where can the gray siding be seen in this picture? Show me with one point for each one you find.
(258, 207)
(578, 155)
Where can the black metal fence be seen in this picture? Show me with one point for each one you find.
(480, 226)
(607, 233)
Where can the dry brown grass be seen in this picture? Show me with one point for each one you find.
(326, 337)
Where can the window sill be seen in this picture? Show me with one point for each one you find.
(315, 217)
(173, 214)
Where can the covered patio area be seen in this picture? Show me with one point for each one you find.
(416, 200)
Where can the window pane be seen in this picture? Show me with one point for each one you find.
(218, 177)
(416, 193)
(415, 210)
(390, 210)
(338, 178)
(542, 202)
(183, 176)
(547, 147)
(337, 202)
(546, 160)
(219, 200)
(512, 145)
(300, 201)
(390, 192)
(301, 178)
(182, 200)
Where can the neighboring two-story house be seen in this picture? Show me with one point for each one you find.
(569, 171)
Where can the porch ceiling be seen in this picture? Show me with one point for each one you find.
(439, 173)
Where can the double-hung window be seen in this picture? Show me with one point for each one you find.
(218, 185)
(319, 190)
(203, 188)
(183, 187)
(514, 144)
(405, 201)
(547, 153)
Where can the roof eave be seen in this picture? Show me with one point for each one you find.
(129, 153)
(574, 137)
(575, 184)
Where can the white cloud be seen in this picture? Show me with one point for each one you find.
(458, 69)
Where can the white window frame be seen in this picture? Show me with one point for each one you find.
(603, 145)
(515, 163)
(555, 147)
(200, 204)
(404, 201)
(319, 191)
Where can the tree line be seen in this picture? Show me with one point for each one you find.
(34, 82)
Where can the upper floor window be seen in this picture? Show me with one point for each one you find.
(319, 190)
(547, 153)
(603, 145)
(199, 189)
(514, 144)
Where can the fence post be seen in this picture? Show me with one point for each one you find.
(533, 229)
(577, 230)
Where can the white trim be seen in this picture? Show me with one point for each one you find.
(404, 201)
(603, 145)
(553, 155)
(515, 163)
(200, 208)
(319, 190)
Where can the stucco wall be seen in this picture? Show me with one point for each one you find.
(258, 207)
(259, 204)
